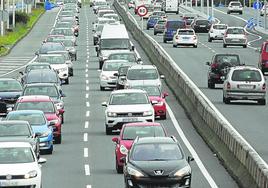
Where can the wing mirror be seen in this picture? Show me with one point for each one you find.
(207, 63)
(42, 160)
(154, 102)
(115, 139)
(139, 59)
(104, 104)
(189, 159)
(61, 111)
(165, 94)
(52, 123)
(21, 72)
(132, 47)
(37, 134)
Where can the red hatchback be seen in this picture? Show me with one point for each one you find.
(45, 104)
(263, 60)
(127, 135)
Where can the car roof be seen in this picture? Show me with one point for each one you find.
(8, 79)
(109, 31)
(51, 55)
(38, 63)
(12, 122)
(33, 98)
(40, 84)
(40, 71)
(247, 67)
(128, 91)
(143, 67)
(27, 112)
(235, 27)
(15, 144)
(154, 140)
(116, 61)
(142, 124)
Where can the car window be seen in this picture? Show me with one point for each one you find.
(112, 66)
(16, 155)
(10, 85)
(220, 27)
(142, 74)
(128, 57)
(33, 119)
(151, 152)
(114, 44)
(36, 67)
(51, 47)
(129, 99)
(186, 32)
(46, 107)
(41, 78)
(246, 75)
(235, 31)
(230, 59)
(14, 130)
(151, 90)
(235, 4)
(50, 91)
(52, 59)
(175, 24)
(202, 22)
(131, 132)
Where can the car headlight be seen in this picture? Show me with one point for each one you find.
(30, 174)
(45, 134)
(104, 77)
(184, 171)
(147, 113)
(123, 150)
(134, 172)
(111, 114)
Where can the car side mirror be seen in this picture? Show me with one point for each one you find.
(116, 74)
(207, 63)
(104, 104)
(42, 160)
(162, 76)
(36, 53)
(37, 134)
(189, 159)
(52, 123)
(63, 95)
(123, 78)
(132, 47)
(154, 102)
(21, 72)
(165, 94)
(61, 111)
(139, 59)
(115, 139)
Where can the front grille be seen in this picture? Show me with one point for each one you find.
(9, 101)
(3, 107)
(12, 177)
(134, 114)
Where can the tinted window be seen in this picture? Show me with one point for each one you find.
(186, 32)
(43, 106)
(246, 75)
(131, 132)
(14, 130)
(175, 24)
(10, 85)
(235, 31)
(41, 78)
(220, 27)
(142, 74)
(112, 66)
(50, 91)
(16, 155)
(236, 4)
(36, 67)
(114, 44)
(33, 119)
(151, 152)
(128, 99)
(202, 22)
(128, 57)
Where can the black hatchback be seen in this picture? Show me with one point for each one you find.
(201, 25)
(157, 162)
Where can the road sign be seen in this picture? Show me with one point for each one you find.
(250, 23)
(142, 10)
(3, 15)
(257, 5)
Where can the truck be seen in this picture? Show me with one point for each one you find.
(171, 6)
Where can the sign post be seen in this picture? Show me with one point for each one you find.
(142, 11)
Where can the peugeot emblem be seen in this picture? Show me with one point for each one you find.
(8, 177)
(159, 172)
(130, 114)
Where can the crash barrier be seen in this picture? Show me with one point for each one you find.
(240, 159)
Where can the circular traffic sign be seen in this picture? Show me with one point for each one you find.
(142, 10)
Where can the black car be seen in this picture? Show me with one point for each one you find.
(19, 131)
(201, 25)
(218, 67)
(157, 162)
(10, 91)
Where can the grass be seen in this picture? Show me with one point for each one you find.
(19, 31)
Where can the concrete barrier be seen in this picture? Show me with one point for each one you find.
(240, 159)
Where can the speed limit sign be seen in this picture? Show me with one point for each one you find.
(142, 10)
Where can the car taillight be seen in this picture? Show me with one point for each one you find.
(225, 34)
(263, 62)
(264, 86)
(228, 85)
(194, 37)
(240, 6)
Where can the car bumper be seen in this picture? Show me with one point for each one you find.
(108, 83)
(117, 122)
(216, 36)
(168, 38)
(235, 10)
(234, 42)
(159, 30)
(185, 42)
(245, 95)
(45, 145)
(30, 183)
(160, 110)
(202, 29)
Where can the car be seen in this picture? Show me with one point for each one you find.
(68, 25)
(121, 76)
(69, 13)
(67, 32)
(201, 25)
(109, 68)
(157, 161)
(156, 97)
(50, 46)
(161, 14)
(130, 56)
(19, 131)
(216, 32)
(36, 66)
(263, 58)
(99, 27)
(23, 166)
(185, 37)
(58, 63)
(40, 126)
(46, 105)
(70, 47)
(10, 91)
(189, 18)
(128, 134)
(152, 21)
(159, 27)
(235, 36)
(127, 106)
(244, 83)
(68, 19)
(97, 4)
(235, 6)
(52, 38)
(171, 27)
(263, 9)
(218, 67)
(157, 4)
(146, 74)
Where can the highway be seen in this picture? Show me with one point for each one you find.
(248, 119)
(86, 156)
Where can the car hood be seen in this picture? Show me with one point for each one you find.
(144, 82)
(127, 143)
(58, 66)
(129, 108)
(17, 169)
(106, 53)
(168, 167)
(7, 95)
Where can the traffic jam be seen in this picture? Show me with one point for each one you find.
(33, 108)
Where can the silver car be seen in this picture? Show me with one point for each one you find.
(244, 83)
(235, 36)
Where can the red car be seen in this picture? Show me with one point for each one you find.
(263, 60)
(158, 99)
(128, 133)
(45, 104)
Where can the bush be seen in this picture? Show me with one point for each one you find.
(22, 17)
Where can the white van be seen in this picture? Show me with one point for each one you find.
(114, 38)
(171, 6)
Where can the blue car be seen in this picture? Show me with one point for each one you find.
(40, 126)
(152, 21)
(171, 28)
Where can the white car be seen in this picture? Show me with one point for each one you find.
(109, 68)
(216, 32)
(186, 37)
(235, 36)
(97, 4)
(263, 10)
(113, 16)
(244, 83)
(235, 6)
(143, 74)
(19, 166)
(125, 106)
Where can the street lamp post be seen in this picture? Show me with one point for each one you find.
(2, 23)
(13, 13)
(8, 14)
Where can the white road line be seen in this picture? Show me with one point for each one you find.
(86, 75)
(85, 152)
(88, 186)
(87, 60)
(86, 124)
(87, 95)
(191, 149)
(87, 170)
(87, 104)
(87, 113)
(86, 65)
(88, 56)
(87, 88)
(86, 70)
(87, 81)
(85, 137)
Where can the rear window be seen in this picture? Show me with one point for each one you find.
(202, 22)
(186, 32)
(221, 27)
(176, 24)
(232, 59)
(246, 75)
(235, 31)
(236, 4)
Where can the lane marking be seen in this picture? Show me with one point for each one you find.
(88, 186)
(87, 104)
(87, 170)
(86, 70)
(86, 65)
(86, 124)
(86, 75)
(87, 95)
(87, 81)
(87, 113)
(87, 88)
(85, 137)
(85, 152)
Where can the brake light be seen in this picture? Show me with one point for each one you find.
(194, 37)
(228, 85)
(264, 86)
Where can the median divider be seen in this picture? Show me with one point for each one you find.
(240, 159)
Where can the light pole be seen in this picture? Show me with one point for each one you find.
(212, 9)
(2, 23)
(8, 14)
(13, 13)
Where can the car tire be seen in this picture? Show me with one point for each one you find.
(209, 39)
(67, 81)
(155, 33)
(58, 139)
(71, 72)
(175, 45)
(177, 12)
(119, 169)
(102, 88)
(228, 12)
(163, 116)
(224, 45)
(195, 46)
(108, 130)
(164, 40)
(75, 57)
(50, 150)
(244, 46)
(262, 102)
(240, 12)
(62, 119)
(211, 85)
(226, 100)
(147, 28)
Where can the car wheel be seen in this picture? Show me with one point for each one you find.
(226, 100)
(164, 40)
(75, 57)
(58, 139)
(62, 119)
(102, 88)
(147, 28)
(155, 33)
(67, 81)
(224, 45)
(119, 169)
(195, 46)
(71, 72)
(163, 116)
(262, 102)
(175, 45)
(228, 12)
(50, 150)
(241, 12)
(177, 12)
(209, 39)
(245, 46)
(108, 130)
(211, 85)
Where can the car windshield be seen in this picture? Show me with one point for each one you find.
(159, 13)
(10, 85)
(202, 22)
(220, 27)
(142, 74)
(122, 71)
(112, 66)
(131, 132)
(37, 77)
(101, 13)
(50, 91)
(156, 152)
(34, 119)
(236, 4)
(14, 130)
(98, 3)
(46, 107)
(236, 31)
(246, 75)
(151, 90)
(128, 99)
(186, 32)
(52, 59)
(63, 31)
(55, 38)
(229, 59)
(129, 57)
(115, 43)
(175, 24)
(161, 22)
(16, 155)
(51, 47)
(36, 67)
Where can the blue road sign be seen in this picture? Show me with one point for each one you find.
(257, 5)
(250, 23)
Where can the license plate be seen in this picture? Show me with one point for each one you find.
(246, 86)
(202, 26)
(130, 120)
(8, 183)
(185, 38)
(236, 40)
